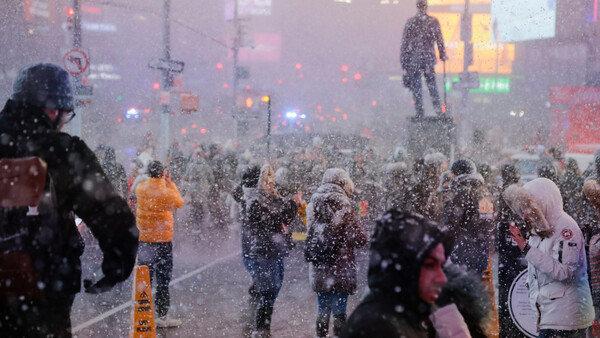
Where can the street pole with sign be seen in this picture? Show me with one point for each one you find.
(78, 120)
(166, 83)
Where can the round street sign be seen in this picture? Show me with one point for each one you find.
(75, 62)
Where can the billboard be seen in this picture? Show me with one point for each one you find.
(488, 57)
(575, 118)
(517, 20)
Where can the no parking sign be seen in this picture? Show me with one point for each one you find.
(76, 62)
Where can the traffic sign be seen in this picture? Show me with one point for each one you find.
(469, 80)
(83, 91)
(172, 66)
(76, 62)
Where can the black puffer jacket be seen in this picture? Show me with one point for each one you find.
(81, 188)
(265, 215)
(399, 246)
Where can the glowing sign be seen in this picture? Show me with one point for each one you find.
(486, 85)
(489, 58)
(456, 2)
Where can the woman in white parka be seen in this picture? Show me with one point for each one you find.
(558, 284)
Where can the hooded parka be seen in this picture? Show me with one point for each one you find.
(331, 210)
(558, 284)
(399, 246)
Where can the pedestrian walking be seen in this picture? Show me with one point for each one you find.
(267, 242)
(333, 223)
(40, 254)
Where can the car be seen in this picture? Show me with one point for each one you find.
(527, 165)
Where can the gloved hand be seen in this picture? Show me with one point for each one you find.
(102, 285)
(445, 298)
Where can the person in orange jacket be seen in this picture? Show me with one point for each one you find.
(156, 199)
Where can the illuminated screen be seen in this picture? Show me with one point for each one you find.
(488, 57)
(518, 20)
(455, 2)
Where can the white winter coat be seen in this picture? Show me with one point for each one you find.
(558, 285)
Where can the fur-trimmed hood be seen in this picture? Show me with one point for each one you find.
(339, 177)
(539, 201)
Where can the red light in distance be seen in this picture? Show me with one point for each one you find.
(202, 131)
(344, 68)
(357, 76)
(298, 66)
(219, 66)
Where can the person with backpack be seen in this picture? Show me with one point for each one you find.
(468, 213)
(75, 184)
(334, 234)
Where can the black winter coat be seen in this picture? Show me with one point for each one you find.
(263, 235)
(399, 246)
(81, 188)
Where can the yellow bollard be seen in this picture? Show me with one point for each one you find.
(493, 330)
(142, 317)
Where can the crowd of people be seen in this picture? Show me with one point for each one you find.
(431, 226)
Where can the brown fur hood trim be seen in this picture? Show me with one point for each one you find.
(524, 204)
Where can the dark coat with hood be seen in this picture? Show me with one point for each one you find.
(470, 227)
(399, 246)
(81, 188)
(331, 211)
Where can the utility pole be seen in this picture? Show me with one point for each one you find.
(268, 98)
(235, 49)
(166, 83)
(466, 36)
(78, 120)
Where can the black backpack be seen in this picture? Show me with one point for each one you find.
(320, 248)
(28, 214)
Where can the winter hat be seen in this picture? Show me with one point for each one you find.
(43, 85)
(463, 166)
(510, 174)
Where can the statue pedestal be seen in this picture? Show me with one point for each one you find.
(431, 132)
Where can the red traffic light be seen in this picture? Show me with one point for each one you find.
(298, 66)
(344, 68)
(357, 76)
(70, 12)
(219, 66)
(156, 85)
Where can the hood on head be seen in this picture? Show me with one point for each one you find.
(400, 244)
(536, 202)
(339, 177)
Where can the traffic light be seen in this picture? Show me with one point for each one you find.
(249, 102)
(70, 14)
(156, 85)
(344, 68)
